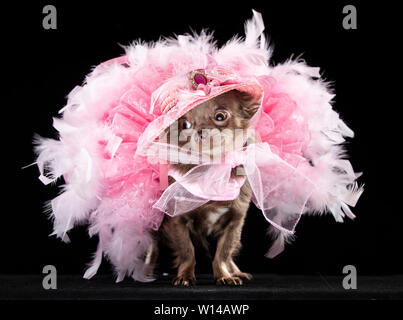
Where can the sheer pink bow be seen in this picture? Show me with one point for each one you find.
(280, 191)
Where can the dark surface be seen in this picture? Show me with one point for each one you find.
(262, 287)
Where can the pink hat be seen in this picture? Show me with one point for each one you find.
(183, 92)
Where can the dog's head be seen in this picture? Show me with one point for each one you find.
(216, 126)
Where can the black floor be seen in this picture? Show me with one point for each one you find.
(262, 287)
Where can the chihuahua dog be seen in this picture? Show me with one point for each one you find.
(221, 220)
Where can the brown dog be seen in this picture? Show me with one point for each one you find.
(222, 220)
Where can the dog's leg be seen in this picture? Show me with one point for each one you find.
(228, 245)
(177, 232)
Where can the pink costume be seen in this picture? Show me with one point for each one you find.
(110, 129)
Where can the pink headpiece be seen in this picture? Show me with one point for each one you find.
(205, 83)
(179, 94)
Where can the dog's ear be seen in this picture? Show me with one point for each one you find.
(249, 105)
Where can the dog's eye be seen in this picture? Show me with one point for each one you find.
(220, 116)
(186, 124)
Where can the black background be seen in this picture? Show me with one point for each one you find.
(42, 66)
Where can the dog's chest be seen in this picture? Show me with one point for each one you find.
(213, 217)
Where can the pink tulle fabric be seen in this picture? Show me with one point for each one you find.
(213, 181)
(111, 123)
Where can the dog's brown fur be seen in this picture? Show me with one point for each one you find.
(221, 219)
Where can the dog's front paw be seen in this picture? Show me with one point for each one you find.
(229, 281)
(184, 281)
(243, 275)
